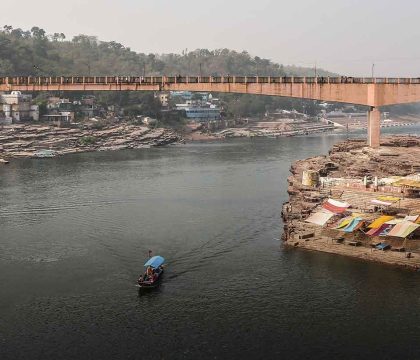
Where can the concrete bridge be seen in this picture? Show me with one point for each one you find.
(372, 92)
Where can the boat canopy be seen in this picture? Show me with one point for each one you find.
(155, 261)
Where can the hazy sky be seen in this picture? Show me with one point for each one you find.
(344, 36)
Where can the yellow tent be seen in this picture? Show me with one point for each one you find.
(380, 221)
(388, 198)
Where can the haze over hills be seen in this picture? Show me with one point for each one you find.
(33, 52)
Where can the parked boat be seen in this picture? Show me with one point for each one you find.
(44, 154)
(153, 274)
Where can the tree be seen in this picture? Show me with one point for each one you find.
(38, 32)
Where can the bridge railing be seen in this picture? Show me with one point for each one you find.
(161, 80)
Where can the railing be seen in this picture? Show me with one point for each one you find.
(164, 80)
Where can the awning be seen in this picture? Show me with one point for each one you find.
(407, 182)
(381, 231)
(344, 222)
(380, 221)
(155, 261)
(394, 221)
(353, 225)
(336, 207)
(380, 202)
(389, 198)
(412, 218)
(319, 218)
(403, 229)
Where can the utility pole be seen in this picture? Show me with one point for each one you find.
(316, 75)
(373, 69)
(201, 74)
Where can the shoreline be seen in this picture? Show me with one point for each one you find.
(343, 175)
(25, 140)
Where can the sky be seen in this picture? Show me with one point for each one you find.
(343, 36)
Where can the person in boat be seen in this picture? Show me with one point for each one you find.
(149, 272)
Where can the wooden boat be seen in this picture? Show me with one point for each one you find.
(154, 271)
(44, 154)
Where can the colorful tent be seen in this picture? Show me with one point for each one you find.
(380, 221)
(353, 225)
(388, 198)
(344, 222)
(412, 218)
(380, 202)
(394, 221)
(381, 231)
(403, 229)
(319, 218)
(407, 182)
(336, 207)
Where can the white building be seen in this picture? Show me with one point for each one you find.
(17, 107)
(163, 98)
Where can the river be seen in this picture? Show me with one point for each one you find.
(75, 231)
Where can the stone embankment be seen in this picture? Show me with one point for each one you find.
(356, 174)
(25, 140)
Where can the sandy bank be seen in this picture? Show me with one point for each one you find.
(348, 174)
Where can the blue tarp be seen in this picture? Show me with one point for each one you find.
(352, 225)
(155, 261)
(383, 246)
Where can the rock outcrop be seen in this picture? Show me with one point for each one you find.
(24, 140)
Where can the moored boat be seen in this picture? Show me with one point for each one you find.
(45, 154)
(153, 274)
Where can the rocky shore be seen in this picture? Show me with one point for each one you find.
(24, 140)
(357, 175)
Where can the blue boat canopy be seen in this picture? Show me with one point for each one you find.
(155, 261)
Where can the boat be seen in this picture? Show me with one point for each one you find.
(154, 271)
(44, 154)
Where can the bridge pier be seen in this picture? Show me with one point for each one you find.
(373, 127)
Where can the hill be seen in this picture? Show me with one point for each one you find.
(34, 52)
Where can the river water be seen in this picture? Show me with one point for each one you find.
(75, 231)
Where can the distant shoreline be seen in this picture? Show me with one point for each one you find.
(26, 140)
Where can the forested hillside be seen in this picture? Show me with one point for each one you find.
(33, 52)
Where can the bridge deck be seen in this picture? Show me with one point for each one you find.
(364, 91)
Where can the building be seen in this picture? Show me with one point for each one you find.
(59, 119)
(199, 113)
(163, 98)
(186, 95)
(16, 107)
(87, 106)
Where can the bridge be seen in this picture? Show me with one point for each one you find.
(372, 92)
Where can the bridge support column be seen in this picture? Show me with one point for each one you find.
(373, 127)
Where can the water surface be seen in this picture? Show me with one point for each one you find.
(75, 231)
